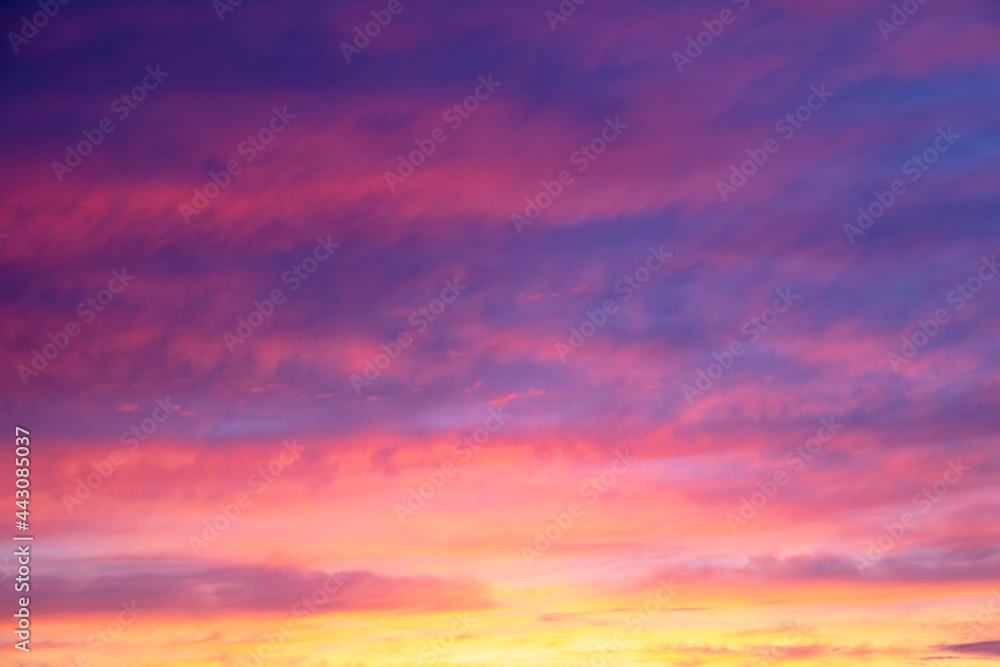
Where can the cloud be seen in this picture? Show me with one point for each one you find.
(174, 587)
(989, 648)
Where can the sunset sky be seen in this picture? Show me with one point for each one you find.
(519, 333)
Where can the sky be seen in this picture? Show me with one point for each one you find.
(525, 333)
